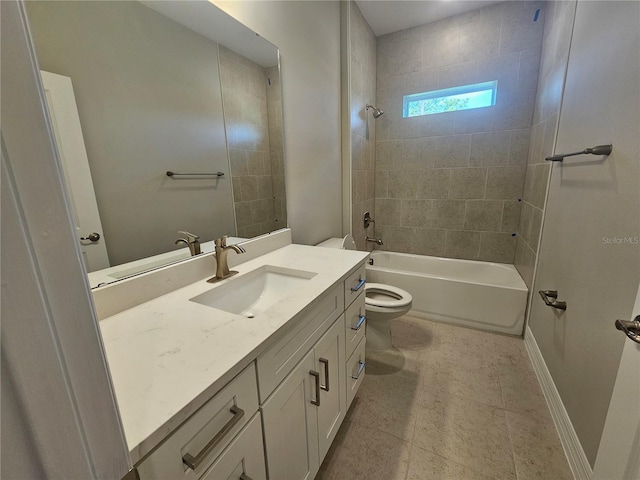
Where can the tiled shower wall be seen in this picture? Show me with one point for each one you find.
(363, 127)
(246, 116)
(553, 65)
(276, 145)
(450, 184)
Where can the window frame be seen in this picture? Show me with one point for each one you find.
(450, 92)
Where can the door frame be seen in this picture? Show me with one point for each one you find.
(46, 304)
(619, 450)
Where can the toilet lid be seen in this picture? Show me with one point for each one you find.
(394, 296)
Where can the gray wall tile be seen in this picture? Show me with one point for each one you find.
(381, 182)
(456, 75)
(396, 238)
(483, 215)
(388, 211)
(389, 155)
(468, 183)
(416, 213)
(520, 30)
(497, 247)
(505, 183)
(429, 241)
(448, 214)
(540, 183)
(418, 153)
(491, 148)
(510, 216)
(519, 147)
(452, 151)
(462, 244)
(403, 184)
(432, 183)
(445, 160)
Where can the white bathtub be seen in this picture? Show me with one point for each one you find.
(488, 296)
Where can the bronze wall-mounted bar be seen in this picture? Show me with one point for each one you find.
(599, 150)
(553, 294)
(176, 174)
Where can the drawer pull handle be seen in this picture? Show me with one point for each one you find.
(359, 370)
(359, 324)
(193, 462)
(325, 362)
(361, 282)
(244, 476)
(316, 375)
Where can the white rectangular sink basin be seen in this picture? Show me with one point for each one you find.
(253, 293)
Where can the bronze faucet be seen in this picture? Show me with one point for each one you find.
(222, 267)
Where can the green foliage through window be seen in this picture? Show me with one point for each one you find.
(466, 97)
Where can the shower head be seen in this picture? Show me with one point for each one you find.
(376, 111)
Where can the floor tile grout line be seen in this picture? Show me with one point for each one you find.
(513, 453)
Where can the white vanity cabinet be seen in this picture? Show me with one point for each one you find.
(244, 457)
(277, 419)
(355, 345)
(210, 437)
(303, 414)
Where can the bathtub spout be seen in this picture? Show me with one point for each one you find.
(377, 241)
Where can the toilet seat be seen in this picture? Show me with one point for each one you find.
(395, 298)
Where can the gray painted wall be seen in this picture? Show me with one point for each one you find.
(449, 184)
(149, 101)
(308, 36)
(589, 249)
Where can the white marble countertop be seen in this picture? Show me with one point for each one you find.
(168, 356)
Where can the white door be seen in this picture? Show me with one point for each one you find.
(589, 251)
(73, 155)
(619, 453)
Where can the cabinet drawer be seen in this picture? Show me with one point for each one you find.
(206, 433)
(355, 324)
(354, 285)
(276, 363)
(355, 371)
(243, 458)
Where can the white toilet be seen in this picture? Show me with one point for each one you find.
(383, 302)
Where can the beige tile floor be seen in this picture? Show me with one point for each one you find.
(447, 403)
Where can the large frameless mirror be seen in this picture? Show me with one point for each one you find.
(136, 90)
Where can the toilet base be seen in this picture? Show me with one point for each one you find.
(379, 335)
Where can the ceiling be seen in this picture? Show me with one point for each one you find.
(386, 16)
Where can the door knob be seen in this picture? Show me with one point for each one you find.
(92, 237)
(631, 329)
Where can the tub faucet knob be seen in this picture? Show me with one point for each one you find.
(377, 241)
(368, 220)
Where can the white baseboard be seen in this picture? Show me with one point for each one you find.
(572, 448)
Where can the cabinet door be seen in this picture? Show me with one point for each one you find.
(243, 458)
(291, 425)
(329, 355)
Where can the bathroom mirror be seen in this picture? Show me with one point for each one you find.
(139, 89)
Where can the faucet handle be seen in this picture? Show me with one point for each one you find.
(222, 241)
(190, 236)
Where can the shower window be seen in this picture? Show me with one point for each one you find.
(465, 97)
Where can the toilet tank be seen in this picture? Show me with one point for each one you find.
(345, 243)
